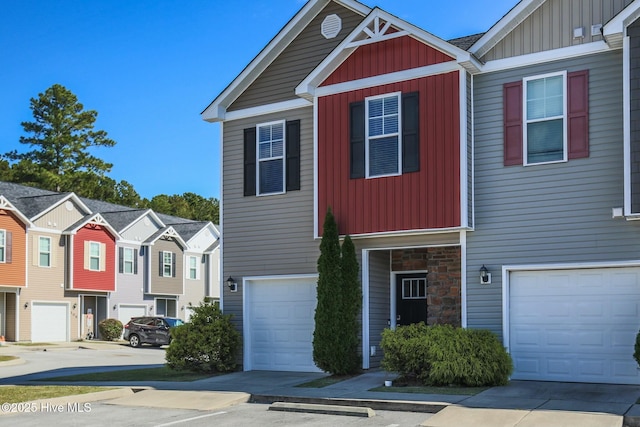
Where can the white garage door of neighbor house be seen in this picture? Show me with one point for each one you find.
(127, 311)
(281, 324)
(575, 325)
(49, 322)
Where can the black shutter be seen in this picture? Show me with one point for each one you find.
(160, 264)
(135, 261)
(120, 260)
(250, 161)
(173, 264)
(293, 155)
(410, 133)
(356, 139)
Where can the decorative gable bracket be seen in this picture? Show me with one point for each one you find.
(378, 29)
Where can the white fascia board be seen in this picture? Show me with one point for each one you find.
(309, 87)
(504, 26)
(7, 205)
(216, 111)
(276, 107)
(614, 30)
(546, 56)
(399, 76)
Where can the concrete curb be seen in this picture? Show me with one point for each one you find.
(310, 408)
(378, 405)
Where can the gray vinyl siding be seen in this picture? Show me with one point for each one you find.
(140, 231)
(634, 87)
(129, 287)
(379, 301)
(544, 214)
(551, 26)
(266, 235)
(278, 82)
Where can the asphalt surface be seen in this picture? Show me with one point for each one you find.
(521, 403)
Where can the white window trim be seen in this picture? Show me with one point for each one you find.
(367, 138)
(3, 245)
(283, 157)
(164, 264)
(125, 261)
(196, 269)
(40, 252)
(525, 121)
(91, 256)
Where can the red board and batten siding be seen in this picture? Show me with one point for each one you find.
(102, 281)
(424, 200)
(385, 57)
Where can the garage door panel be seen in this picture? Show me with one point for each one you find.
(583, 329)
(49, 322)
(281, 323)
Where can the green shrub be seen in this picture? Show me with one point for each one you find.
(110, 329)
(636, 353)
(443, 355)
(207, 343)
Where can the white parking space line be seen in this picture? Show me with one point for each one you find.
(190, 419)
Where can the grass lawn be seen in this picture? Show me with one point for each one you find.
(451, 390)
(26, 393)
(148, 374)
(7, 358)
(326, 381)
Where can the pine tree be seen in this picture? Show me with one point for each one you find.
(327, 331)
(336, 335)
(351, 304)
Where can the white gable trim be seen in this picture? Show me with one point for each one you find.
(216, 110)
(371, 30)
(614, 30)
(413, 73)
(8, 206)
(546, 56)
(504, 26)
(276, 107)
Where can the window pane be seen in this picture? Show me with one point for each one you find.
(545, 141)
(94, 249)
(391, 105)
(376, 126)
(277, 132)
(271, 176)
(265, 150)
(277, 148)
(391, 124)
(375, 108)
(94, 264)
(383, 156)
(45, 244)
(44, 259)
(264, 133)
(545, 98)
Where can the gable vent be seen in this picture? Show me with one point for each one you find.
(331, 26)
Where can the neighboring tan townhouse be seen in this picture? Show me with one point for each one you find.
(488, 181)
(67, 263)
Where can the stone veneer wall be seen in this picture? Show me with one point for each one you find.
(443, 265)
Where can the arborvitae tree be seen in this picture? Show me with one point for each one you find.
(327, 333)
(335, 339)
(351, 304)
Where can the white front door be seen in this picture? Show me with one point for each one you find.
(575, 325)
(49, 322)
(279, 316)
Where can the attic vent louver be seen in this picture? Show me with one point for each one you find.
(331, 26)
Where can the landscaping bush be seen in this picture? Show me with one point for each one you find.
(110, 329)
(207, 343)
(636, 353)
(443, 355)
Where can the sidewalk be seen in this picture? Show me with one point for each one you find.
(521, 403)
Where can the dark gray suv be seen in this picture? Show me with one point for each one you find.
(150, 330)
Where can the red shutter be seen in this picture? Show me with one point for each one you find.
(512, 94)
(578, 114)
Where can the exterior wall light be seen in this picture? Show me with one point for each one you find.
(26, 305)
(233, 286)
(485, 276)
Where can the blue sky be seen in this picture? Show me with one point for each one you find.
(150, 67)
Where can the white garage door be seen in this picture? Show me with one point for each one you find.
(127, 311)
(575, 325)
(280, 324)
(49, 322)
